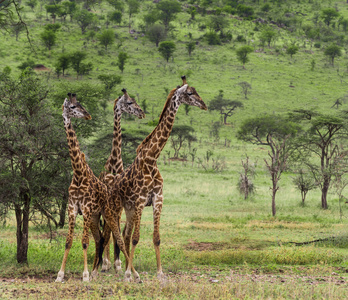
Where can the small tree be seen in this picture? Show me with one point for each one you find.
(246, 87)
(30, 154)
(267, 36)
(321, 138)
(156, 33)
(167, 49)
(167, 10)
(293, 49)
(179, 136)
(190, 46)
(304, 183)
(84, 18)
(63, 62)
(106, 38)
(275, 132)
(110, 81)
(76, 59)
(32, 4)
(122, 58)
(245, 183)
(49, 38)
(133, 8)
(332, 52)
(329, 14)
(225, 107)
(242, 54)
(70, 8)
(116, 17)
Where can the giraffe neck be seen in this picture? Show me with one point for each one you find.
(160, 135)
(79, 166)
(114, 163)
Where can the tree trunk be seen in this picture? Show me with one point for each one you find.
(62, 211)
(22, 218)
(324, 191)
(274, 191)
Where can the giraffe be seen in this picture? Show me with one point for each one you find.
(114, 163)
(87, 194)
(142, 182)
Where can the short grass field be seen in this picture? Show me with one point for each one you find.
(214, 244)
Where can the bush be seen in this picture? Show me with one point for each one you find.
(213, 38)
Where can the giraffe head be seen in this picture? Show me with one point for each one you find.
(127, 104)
(73, 109)
(188, 95)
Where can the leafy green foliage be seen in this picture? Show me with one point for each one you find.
(84, 19)
(106, 38)
(332, 52)
(225, 107)
(156, 33)
(167, 11)
(49, 38)
(242, 54)
(291, 50)
(122, 58)
(167, 49)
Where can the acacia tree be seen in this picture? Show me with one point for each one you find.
(322, 139)
(180, 135)
(225, 107)
(242, 54)
(156, 33)
(133, 8)
(276, 132)
(30, 153)
(49, 38)
(332, 52)
(329, 14)
(291, 50)
(84, 18)
(122, 58)
(167, 49)
(106, 38)
(167, 10)
(267, 36)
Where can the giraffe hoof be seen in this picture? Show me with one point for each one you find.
(60, 277)
(118, 268)
(94, 275)
(106, 265)
(85, 277)
(161, 277)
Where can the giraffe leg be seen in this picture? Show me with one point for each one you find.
(85, 242)
(157, 209)
(117, 261)
(97, 238)
(69, 239)
(106, 260)
(135, 239)
(111, 219)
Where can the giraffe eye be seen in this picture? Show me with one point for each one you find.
(189, 93)
(129, 103)
(73, 106)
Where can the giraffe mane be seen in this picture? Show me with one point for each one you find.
(160, 119)
(115, 101)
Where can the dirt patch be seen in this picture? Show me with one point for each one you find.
(41, 67)
(202, 246)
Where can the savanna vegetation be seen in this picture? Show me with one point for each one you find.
(254, 189)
